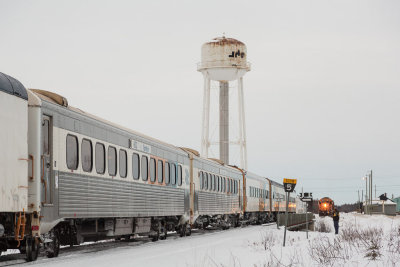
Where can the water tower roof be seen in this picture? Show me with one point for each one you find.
(223, 41)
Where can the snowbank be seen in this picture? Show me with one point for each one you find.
(260, 246)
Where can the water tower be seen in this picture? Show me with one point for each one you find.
(224, 60)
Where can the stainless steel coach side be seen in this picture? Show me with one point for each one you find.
(258, 204)
(218, 193)
(100, 180)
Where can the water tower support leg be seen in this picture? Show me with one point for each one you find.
(224, 121)
(206, 117)
(242, 126)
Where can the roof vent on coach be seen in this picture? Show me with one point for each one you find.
(53, 97)
(194, 152)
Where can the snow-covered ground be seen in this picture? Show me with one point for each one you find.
(362, 241)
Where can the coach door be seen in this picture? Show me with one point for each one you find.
(46, 182)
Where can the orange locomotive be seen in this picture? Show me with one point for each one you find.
(325, 206)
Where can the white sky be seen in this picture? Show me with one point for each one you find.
(322, 98)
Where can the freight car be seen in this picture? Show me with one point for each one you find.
(68, 177)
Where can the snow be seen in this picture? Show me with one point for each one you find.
(254, 246)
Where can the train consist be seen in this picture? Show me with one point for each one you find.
(69, 177)
(325, 206)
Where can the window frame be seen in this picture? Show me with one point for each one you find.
(172, 172)
(135, 156)
(166, 173)
(98, 144)
(145, 159)
(116, 160)
(158, 171)
(153, 174)
(67, 151)
(179, 174)
(83, 156)
(125, 153)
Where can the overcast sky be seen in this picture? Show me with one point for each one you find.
(322, 99)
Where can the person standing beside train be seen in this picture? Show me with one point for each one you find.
(336, 220)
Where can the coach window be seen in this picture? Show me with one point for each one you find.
(100, 155)
(228, 185)
(166, 173)
(172, 171)
(72, 152)
(152, 169)
(179, 175)
(218, 183)
(267, 194)
(112, 161)
(213, 181)
(232, 186)
(224, 188)
(209, 181)
(145, 168)
(201, 180)
(205, 176)
(87, 155)
(160, 171)
(135, 166)
(123, 163)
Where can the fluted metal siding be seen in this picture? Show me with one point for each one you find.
(85, 196)
(213, 203)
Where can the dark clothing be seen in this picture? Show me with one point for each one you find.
(335, 216)
(336, 224)
(336, 221)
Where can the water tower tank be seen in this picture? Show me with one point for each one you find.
(224, 59)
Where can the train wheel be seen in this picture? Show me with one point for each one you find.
(188, 230)
(32, 249)
(156, 236)
(182, 230)
(53, 247)
(163, 230)
(163, 234)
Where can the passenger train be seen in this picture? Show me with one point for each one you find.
(67, 177)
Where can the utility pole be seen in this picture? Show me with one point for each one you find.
(362, 201)
(370, 185)
(362, 195)
(366, 195)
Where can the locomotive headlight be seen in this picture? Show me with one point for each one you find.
(1, 230)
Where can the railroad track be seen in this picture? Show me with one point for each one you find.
(93, 247)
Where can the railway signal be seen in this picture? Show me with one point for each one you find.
(289, 185)
(306, 197)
